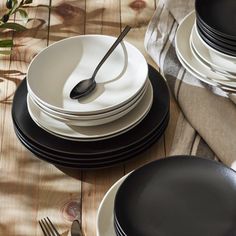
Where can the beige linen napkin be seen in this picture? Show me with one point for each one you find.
(210, 114)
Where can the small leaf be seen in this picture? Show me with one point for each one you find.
(6, 52)
(13, 26)
(9, 4)
(24, 15)
(28, 1)
(5, 18)
(6, 43)
(14, 7)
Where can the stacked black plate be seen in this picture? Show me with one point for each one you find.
(180, 196)
(216, 21)
(94, 154)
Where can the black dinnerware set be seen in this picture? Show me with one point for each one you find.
(216, 20)
(179, 196)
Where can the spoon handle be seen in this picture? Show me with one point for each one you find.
(114, 45)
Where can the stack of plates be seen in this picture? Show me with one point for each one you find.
(179, 196)
(127, 112)
(206, 43)
(215, 23)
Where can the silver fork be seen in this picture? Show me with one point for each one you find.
(48, 228)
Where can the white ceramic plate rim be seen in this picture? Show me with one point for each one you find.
(104, 224)
(99, 132)
(65, 116)
(230, 77)
(207, 81)
(204, 53)
(94, 122)
(184, 51)
(140, 80)
(229, 57)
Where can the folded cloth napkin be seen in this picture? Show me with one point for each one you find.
(210, 113)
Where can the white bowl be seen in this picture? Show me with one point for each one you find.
(98, 132)
(82, 117)
(78, 121)
(57, 69)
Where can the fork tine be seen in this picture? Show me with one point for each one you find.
(48, 228)
(44, 226)
(52, 227)
(41, 226)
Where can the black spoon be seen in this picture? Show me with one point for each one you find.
(86, 86)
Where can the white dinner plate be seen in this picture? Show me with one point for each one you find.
(220, 64)
(57, 69)
(183, 50)
(205, 80)
(105, 211)
(231, 78)
(99, 132)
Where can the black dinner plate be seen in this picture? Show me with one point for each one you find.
(219, 15)
(65, 159)
(181, 196)
(117, 229)
(47, 141)
(216, 37)
(215, 45)
(216, 41)
(92, 164)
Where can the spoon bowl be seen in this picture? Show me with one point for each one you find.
(83, 88)
(86, 86)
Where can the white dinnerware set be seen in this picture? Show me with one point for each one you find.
(124, 115)
(121, 99)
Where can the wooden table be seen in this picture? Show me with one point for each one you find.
(31, 189)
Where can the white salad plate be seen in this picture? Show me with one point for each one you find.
(57, 69)
(220, 64)
(105, 222)
(183, 50)
(98, 132)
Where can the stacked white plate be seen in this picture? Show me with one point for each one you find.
(121, 99)
(125, 114)
(206, 63)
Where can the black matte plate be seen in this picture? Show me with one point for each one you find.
(49, 142)
(216, 41)
(67, 159)
(117, 229)
(214, 45)
(216, 37)
(180, 196)
(95, 164)
(219, 15)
